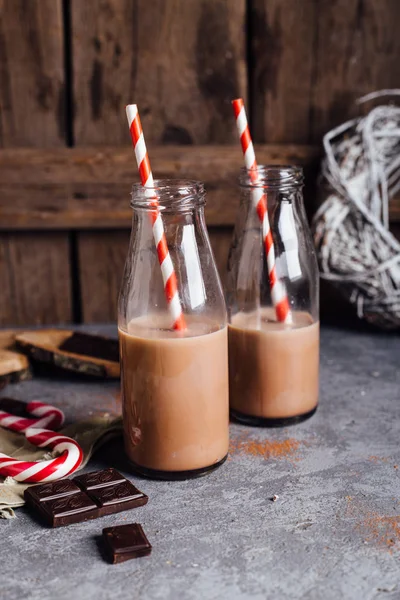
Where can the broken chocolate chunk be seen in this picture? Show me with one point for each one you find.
(98, 479)
(125, 542)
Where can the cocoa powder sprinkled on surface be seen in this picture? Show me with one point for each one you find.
(380, 530)
(378, 459)
(279, 449)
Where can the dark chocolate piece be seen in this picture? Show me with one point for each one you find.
(61, 503)
(70, 509)
(98, 479)
(125, 542)
(116, 498)
(51, 491)
(85, 497)
(111, 491)
(91, 345)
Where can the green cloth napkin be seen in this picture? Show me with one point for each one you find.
(89, 434)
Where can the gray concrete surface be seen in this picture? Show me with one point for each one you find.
(333, 533)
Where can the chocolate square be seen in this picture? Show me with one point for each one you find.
(115, 498)
(53, 490)
(125, 542)
(69, 509)
(98, 479)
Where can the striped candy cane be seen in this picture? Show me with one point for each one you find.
(46, 416)
(69, 453)
(167, 269)
(278, 292)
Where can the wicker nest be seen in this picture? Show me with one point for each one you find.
(356, 251)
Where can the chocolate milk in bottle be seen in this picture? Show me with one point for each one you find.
(273, 316)
(175, 394)
(175, 389)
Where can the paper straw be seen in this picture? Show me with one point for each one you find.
(278, 291)
(164, 258)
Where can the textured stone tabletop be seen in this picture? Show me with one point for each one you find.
(334, 531)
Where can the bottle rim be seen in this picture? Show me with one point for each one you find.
(277, 177)
(172, 195)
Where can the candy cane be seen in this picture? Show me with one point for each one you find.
(47, 416)
(68, 453)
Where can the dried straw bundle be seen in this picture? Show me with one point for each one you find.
(360, 174)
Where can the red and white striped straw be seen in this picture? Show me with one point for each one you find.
(68, 453)
(278, 291)
(167, 268)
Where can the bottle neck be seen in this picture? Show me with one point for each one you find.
(169, 196)
(272, 178)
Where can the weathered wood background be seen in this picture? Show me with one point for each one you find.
(67, 69)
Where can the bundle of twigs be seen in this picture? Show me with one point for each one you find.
(360, 174)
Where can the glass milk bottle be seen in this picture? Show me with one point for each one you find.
(174, 382)
(272, 297)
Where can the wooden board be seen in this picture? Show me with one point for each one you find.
(34, 270)
(14, 366)
(84, 188)
(101, 258)
(357, 51)
(282, 54)
(32, 88)
(44, 346)
(310, 61)
(36, 274)
(181, 61)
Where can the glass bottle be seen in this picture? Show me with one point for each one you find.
(273, 364)
(174, 383)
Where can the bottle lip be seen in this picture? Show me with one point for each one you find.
(172, 195)
(272, 177)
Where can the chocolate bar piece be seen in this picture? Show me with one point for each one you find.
(116, 499)
(68, 510)
(98, 479)
(51, 491)
(91, 345)
(125, 542)
(85, 497)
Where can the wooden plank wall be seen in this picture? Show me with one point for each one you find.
(35, 274)
(68, 67)
(311, 59)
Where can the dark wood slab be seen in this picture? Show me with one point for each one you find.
(309, 62)
(45, 346)
(89, 188)
(183, 78)
(14, 366)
